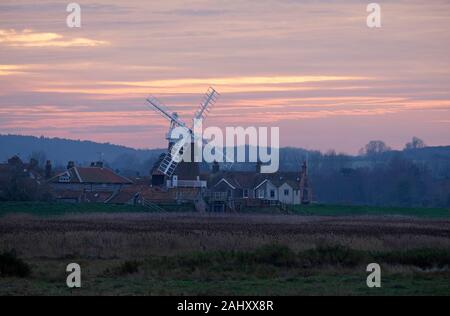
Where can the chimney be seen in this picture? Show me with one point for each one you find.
(304, 169)
(33, 163)
(215, 167)
(99, 164)
(305, 189)
(48, 169)
(71, 165)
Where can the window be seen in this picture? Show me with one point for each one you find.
(65, 178)
(261, 194)
(245, 194)
(272, 194)
(230, 193)
(286, 192)
(175, 181)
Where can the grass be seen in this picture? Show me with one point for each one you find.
(269, 270)
(55, 209)
(11, 265)
(198, 254)
(320, 284)
(345, 210)
(52, 209)
(422, 258)
(277, 257)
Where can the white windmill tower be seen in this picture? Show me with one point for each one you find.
(174, 155)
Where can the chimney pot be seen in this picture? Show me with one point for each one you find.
(70, 165)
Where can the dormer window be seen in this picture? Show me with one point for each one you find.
(64, 178)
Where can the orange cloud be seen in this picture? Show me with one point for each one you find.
(6, 70)
(30, 38)
(233, 81)
(195, 85)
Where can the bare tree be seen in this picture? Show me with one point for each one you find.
(416, 143)
(375, 147)
(40, 157)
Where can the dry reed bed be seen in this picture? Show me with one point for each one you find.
(106, 236)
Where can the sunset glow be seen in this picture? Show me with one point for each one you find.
(312, 68)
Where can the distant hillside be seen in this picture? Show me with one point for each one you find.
(60, 151)
(408, 178)
(130, 160)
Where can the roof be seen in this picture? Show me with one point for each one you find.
(127, 194)
(227, 182)
(69, 194)
(157, 194)
(241, 180)
(123, 197)
(92, 175)
(251, 180)
(96, 197)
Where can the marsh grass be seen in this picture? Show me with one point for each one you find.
(12, 266)
(180, 254)
(421, 258)
(59, 209)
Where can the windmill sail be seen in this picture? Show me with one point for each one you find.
(172, 158)
(208, 101)
(164, 111)
(175, 154)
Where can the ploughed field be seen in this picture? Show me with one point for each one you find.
(210, 254)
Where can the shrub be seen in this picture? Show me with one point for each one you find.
(12, 266)
(422, 258)
(276, 255)
(128, 267)
(332, 255)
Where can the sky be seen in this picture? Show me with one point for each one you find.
(312, 68)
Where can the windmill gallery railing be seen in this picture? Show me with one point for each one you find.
(186, 184)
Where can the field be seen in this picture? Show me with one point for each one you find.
(139, 253)
(50, 209)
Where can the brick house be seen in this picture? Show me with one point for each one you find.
(94, 184)
(233, 190)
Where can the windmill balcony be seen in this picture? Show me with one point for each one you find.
(186, 184)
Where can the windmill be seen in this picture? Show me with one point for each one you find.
(174, 155)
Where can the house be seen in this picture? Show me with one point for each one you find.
(289, 193)
(234, 190)
(93, 178)
(127, 196)
(94, 184)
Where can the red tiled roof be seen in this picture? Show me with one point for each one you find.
(249, 180)
(96, 197)
(93, 175)
(156, 194)
(101, 175)
(123, 197)
(68, 194)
